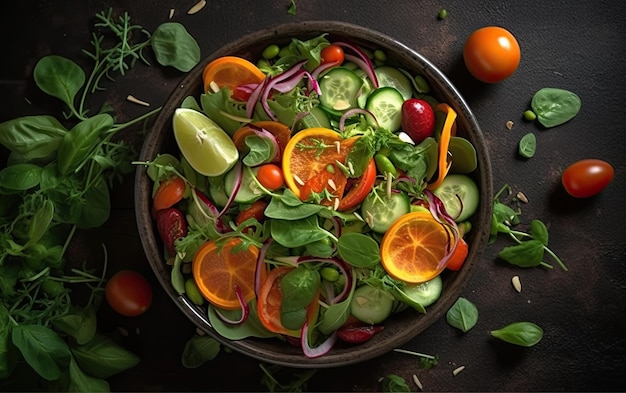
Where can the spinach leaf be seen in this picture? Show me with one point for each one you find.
(297, 233)
(320, 248)
(336, 314)
(59, 77)
(528, 253)
(94, 207)
(358, 250)
(299, 287)
(33, 137)
(174, 46)
(284, 208)
(525, 334)
(527, 145)
(214, 105)
(79, 142)
(81, 382)
(555, 106)
(262, 150)
(20, 177)
(463, 314)
(200, 349)
(102, 357)
(5, 342)
(42, 348)
(80, 324)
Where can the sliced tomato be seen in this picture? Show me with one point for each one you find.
(269, 301)
(359, 191)
(334, 181)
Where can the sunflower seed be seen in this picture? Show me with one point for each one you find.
(517, 284)
(457, 370)
(522, 197)
(197, 7)
(417, 382)
(297, 179)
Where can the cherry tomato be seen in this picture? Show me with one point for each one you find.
(128, 293)
(459, 256)
(586, 178)
(169, 193)
(332, 54)
(271, 176)
(491, 54)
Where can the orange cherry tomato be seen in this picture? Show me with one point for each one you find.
(332, 54)
(169, 193)
(271, 176)
(491, 54)
(459, 256)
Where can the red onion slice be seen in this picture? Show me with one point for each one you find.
(321, 349)
(245, 310)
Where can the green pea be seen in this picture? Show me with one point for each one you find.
(193, 293)
(271, 51)
(442, 14)
(384, 165)
(262, 63)
(329, 274)
(421, 84)
(380, 55)
(330, 168)
(530, 115)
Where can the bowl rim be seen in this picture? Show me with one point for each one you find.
(255, 348)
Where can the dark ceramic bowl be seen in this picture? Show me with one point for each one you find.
(401, 327)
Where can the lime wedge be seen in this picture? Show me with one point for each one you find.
(208, 149)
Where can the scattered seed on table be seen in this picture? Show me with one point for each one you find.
(136, 100)
(509, 124)
(517, 284)
(457, 370)
(418, 382)
(522, 197)
(171, 13)
(197, 7)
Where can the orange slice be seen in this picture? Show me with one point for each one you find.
(231, 71)
(310, 162)
(217, 270)
(413, 247)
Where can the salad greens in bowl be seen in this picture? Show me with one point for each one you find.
(314, 194)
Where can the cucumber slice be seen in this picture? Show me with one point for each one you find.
(392, 77)
(315, 119)
(386, 105)
(420, 296)
(371, 305)
(340, 89)
(380, 211)
(248, 191)
(458, 186)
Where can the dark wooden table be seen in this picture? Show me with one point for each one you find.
(577, 46)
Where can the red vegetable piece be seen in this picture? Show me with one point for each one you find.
(358, 333)
(171, 225)
(418, 119)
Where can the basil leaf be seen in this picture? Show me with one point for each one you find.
(527, 145)
(20, 177)
(81, 382)
(80, 324)
(525, 254)
(463, 314)
(539, 231)
(59, 77)
(555, 106)
(358, 250)
(42, 348)
(200, 349)
(33, 137)
(174, 46)
(525, 334)
(102, 357)
(79, 142)
(40, 222)
(297, 233)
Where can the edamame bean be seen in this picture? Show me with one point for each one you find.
(329, 274)
(191, 289)
(380, 55)
(421, 84)
(530, 115)
(384, 165)
(271, 51)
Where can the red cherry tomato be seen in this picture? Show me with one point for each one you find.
(332, 54)
(491, 54)
(128, 293)
(586, 178)
(458, 256)
(270, 176)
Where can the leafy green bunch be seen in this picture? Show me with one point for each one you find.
(57, 180)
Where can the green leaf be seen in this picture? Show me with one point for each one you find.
(200, 349)
(525, 254)
(555, 106)
(102, 357)
(358, 250)
(6, 364)
(20, 177)
(80, 324)
(335, 316)
(80, 142)
(287, 208)
(252, 327)
(81, 382)
(527, 145)
(40, 222)
(32, 137)
(95, 206)
(174, 46)
(59, 77)
(524, 334)
(42, 348)
(394, 383)
(539, 231)
(463, 315)
(215, 105)
(297, 233)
